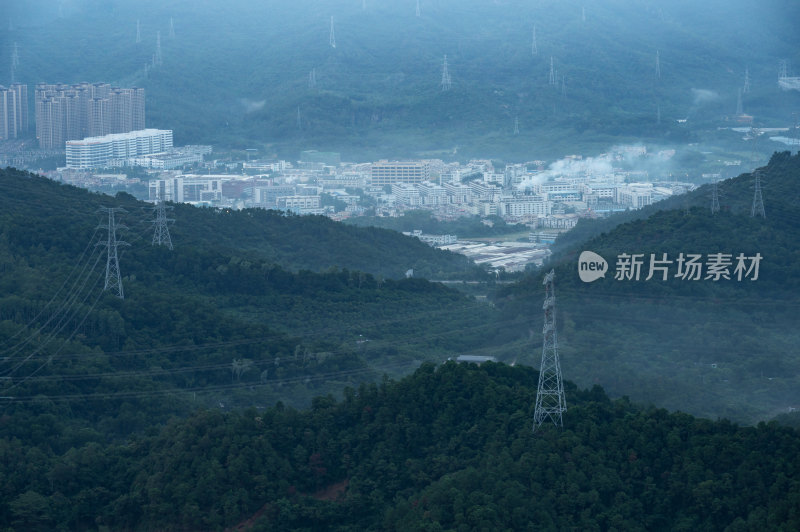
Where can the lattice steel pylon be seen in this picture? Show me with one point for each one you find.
(758, 201)
(113, 276)
(714, 198)
(550, 401)
(446, 82)
(161, 235)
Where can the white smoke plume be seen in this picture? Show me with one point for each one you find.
(630, 157)
(703, 96)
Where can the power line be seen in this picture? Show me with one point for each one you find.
(60, 288)
(63, 310)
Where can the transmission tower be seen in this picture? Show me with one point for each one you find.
(138, 33)
(746, 87)
(758, 201)
(161, 235)
(157, 60)
(14, 62)
(552, 80)
(783, 69)
(534, 48)
(563, 86)
(333, 36)
(171, 28)
(583, 14)
(658, 64)
(312, 78)
(299, 123)
(113, 277)
(714, 197)
(658, 114)
(550, 402)
(419, 11)
(739, 108)
(146, 70)
(516, 125)
(446, 83)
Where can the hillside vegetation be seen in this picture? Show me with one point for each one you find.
(448, 448)
(223, 319)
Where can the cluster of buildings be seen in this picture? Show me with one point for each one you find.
(72, 112)
(544, 201)
(319, 183)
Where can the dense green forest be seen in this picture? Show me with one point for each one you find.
(448, 448)
(724, 348)
(378, 92)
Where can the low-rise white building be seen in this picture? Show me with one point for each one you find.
(98, 152)
(406, 194)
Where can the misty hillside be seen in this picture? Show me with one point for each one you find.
(716, 349)
(240, 73)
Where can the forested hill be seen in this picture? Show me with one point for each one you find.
(264, 74)
(218, 320)
(45, 209)
(712, 348)
(448, 448)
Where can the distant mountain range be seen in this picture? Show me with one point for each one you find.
(264, 74)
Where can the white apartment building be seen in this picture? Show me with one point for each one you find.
(635, 195)
(432, 194)
(523, 206)
(458, 193)
(406, 194)
(98, 152)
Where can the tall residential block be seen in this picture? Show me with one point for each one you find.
(13, 111)
(71, 112)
